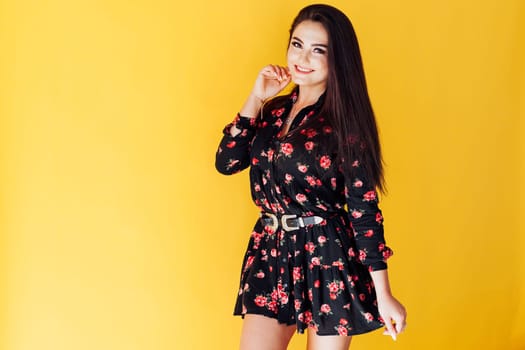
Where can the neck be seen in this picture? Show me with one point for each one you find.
(308, 95)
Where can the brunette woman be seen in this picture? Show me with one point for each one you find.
(316, 258)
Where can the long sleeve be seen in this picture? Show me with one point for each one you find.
(366, 221)
(233, 154)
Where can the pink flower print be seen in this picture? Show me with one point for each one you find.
(327, 129)
(333, 287)
(283, 298)
(257, 187)
(277, 112)
(341, 285)
(309, 146)
(355, 164)
(343, 322)
(312, 181)
(316, 261)
(297, 276)
(272, 306)
(325, 309)
(309, 247)
(333, 296)
(270, 155)
(317, 283)
(333, 182)
(307, 317)
(273, 252)
(341, 330)
(322, 207)
(302, 168)
(287, 149)
(325, 162)
(301, 198)
(379, 218)
(362, 254)
(381, 247)
(356, 214)
(368, 316)
(387, 254)
(232, 163)
(310, 132)
(362, 297)
(288, 178)
(249, 262)
(339, 265)
(358, 183)
(255, 161)
(231, 144)
(259, 274)
(297, 304)
(369, 233)
(369, 196)
(260, 300)
(322, 240)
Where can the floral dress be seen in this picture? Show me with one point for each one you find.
(316, 276)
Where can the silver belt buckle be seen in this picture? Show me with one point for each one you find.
(275, 221)
(284, 224)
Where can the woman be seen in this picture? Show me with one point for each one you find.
(316, 257)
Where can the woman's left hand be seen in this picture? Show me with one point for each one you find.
(394, 315)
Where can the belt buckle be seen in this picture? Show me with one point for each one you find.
(284, 224)
(275, 221)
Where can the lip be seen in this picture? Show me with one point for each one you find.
(302, 70)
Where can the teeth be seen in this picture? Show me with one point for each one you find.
(300, 69)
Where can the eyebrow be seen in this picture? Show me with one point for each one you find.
(322, 45)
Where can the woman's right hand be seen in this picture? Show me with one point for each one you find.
(271, 80)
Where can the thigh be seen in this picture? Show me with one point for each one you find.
(264, 333)
(332, 342)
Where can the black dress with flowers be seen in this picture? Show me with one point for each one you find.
(316, 276)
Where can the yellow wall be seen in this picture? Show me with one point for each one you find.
(117, 233)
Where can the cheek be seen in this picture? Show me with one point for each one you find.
(291, 56)
(323, 63)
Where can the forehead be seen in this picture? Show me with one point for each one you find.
(311, 31)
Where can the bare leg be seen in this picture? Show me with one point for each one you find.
(264, 333)
(332, 342)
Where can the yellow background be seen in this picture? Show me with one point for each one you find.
(117, 233)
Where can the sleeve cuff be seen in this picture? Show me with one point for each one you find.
(242, 123)
(378, 266)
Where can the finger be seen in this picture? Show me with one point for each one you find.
(401, 323)
(390, 328)
(286, 80)
(282, 72)
(269, 71)
(276, 73)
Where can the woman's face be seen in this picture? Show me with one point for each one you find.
(308, 55)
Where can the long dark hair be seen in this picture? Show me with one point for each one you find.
(347, 103)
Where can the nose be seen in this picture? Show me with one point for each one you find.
(304, 57)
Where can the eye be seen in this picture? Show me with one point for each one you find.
(319, 50)
(296, 44)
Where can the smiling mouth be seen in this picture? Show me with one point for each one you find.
(303, 70)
